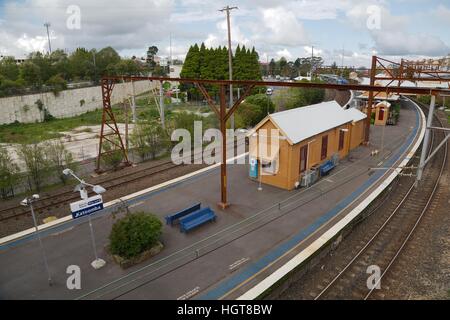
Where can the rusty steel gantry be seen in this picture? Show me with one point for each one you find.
(108, 119)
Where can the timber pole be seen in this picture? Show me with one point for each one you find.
(373, 72)
(223, 167)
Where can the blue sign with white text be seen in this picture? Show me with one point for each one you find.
(86, 206)
(86, 211)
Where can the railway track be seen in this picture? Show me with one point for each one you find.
(60, 200)
(386, 238)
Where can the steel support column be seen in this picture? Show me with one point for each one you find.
(109, 120)
(370, 102)
(426, 140)
(223, 167)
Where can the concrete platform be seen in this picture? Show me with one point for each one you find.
(218, 260)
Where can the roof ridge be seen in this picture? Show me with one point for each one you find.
(304, 107)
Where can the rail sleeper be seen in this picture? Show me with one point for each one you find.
(196, 219)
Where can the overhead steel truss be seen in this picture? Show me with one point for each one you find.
(223, 114)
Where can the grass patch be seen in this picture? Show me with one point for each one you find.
(36, 132)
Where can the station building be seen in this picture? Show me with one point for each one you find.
(381, 111)
(307, 137)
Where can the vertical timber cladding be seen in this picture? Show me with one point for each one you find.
(281, 179)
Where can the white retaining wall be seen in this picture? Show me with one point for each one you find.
(67, 104)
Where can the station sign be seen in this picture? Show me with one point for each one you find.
(86, 207)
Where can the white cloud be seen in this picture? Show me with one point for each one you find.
(442, 13)
(281, 27)
(212, 41)
(37, 43)
(393, 37)
(123, 24)
(284, 54)
(403, 43)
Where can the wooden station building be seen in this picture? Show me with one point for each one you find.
(308, 137)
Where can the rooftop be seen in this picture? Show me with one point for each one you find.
(302, 123)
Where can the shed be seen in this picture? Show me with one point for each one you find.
(308, 136)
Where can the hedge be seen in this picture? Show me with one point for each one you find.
(134, 234)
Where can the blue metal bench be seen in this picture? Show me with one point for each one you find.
(170, 219)
(326, 167)
(196, 219)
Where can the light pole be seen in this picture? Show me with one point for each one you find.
(29, 202)
(47, 25)
(97, 263)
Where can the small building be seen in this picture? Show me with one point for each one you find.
(382, 113)
(308, 137)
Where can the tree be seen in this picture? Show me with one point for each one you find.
(149, 138)
(79, 64)
(126, 67)
(113, 154)
(9, 173)
(37, 164)
(31, 74)
(59, 159)
(272, 66)
(191, 66)
(151, 53)
(254, 109)
(106, 59)
(57, 83)
(134, 234)
(191, 70)
(9, 68)
(300, 97)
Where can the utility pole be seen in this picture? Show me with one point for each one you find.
(312, 59)
(47, 25)
(95, 67)
(170, 51)
(161, 104)
(230, 60)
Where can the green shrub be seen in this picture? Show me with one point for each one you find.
(134, 234)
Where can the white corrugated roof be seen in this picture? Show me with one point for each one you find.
(355, 114)
(302, 123)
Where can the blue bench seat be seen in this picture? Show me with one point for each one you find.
(170, 219)
(326, 167)
(196, 219)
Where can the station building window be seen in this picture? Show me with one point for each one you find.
(324, 151)
(341, 140)
(269, 167)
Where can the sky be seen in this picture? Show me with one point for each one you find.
(341, 31)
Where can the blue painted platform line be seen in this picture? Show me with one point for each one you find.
(227, 285)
